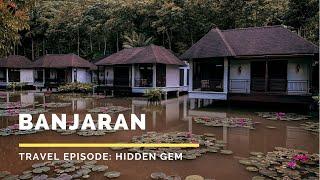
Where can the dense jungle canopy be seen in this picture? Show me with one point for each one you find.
(97, 28)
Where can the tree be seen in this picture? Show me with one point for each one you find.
(304, 16)
(14, 18)
(136, 40)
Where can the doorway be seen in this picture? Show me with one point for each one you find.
(269, 76)
(121, 76)
(258, 76)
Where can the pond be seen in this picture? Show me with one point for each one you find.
(258, 134)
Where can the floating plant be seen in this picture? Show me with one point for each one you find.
(16, 112)
(54, 105)
(310, 126)
(109, 109)
(282, 116)
(112, 174)
(14, 105)
(14, 130)
(208, 144)
(85, 133)
(225, 122)
(62, 170)
(163, 176)
(283, 163)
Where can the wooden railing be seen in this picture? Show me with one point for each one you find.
(143, 83)
(272, 86)
(298, 86)
(215, 85)
(239, 85)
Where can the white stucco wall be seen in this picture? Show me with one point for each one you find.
(83, 75)
(239, 81)
(185, 74)
(27, 98)
(298, 81)
(172, 76)
(109, 74)
(26, 75)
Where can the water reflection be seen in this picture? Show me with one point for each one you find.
(171, 115)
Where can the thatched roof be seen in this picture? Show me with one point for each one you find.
(254, 41)
(15, 61)
(62, 61)
(142, 55)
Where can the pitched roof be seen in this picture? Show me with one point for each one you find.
(140, 55)
(16, 61)
(254, 41)
(62, 61)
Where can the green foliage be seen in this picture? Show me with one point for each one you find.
(13, 18)
(16, 85)
(94, 29)
(153, 95)
(136, 40)
(76, 87)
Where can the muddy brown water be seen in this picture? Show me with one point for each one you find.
(172, 115)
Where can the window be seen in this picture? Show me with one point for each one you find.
(181, 77)
(14, 75)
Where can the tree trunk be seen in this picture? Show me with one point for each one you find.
(105, 45)
(163, 39)
(191, 37)
(32, 50)
(117, 41)
(91, 43)
(38, 49)
(169, 39)
(78, 42)
(43, 47)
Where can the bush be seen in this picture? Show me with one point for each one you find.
(16, 85)
(154, 95)
(76, 87)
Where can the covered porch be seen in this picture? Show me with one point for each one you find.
(54, 77)
(147, 76)
(276, 76)
(209, 78)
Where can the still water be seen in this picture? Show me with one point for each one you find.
(172, 115)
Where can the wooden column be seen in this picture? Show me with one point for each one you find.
(266, 78)
(225, 74)
(7, 75)
(154, 77)
(191, 75)
(132, 75)
(44, 76)
(104, 75)
(72, 75)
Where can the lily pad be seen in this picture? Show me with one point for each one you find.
(194, 177)
(227, 152)
(158, 175)
(100, 168)
(252, 169)
(112, 174)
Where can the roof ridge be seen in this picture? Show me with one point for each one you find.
(226, 42)
(300, 37)
(155, 54)
(254, 27)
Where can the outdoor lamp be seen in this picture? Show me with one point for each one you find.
(298, 68)
(239, 69)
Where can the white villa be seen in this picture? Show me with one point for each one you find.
(258, 63)
(143, 68)
(17, 69)
(52, 70)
